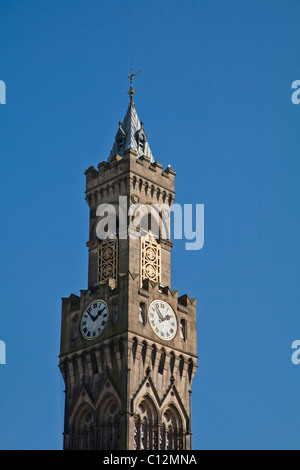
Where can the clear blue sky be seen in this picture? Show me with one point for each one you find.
(215, 97)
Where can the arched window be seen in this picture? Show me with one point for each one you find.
(146, 425)
(183, 329)
(171, 429)
(142, 313)
(162, 362)
(109, 438)
(83, 429)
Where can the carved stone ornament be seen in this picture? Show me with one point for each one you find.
(135, 198)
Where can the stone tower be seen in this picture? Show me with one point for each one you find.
(128, 351)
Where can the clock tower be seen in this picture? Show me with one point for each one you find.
(128, 351)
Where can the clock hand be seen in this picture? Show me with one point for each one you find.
(167, 317)
(99, 312)
(159, 314)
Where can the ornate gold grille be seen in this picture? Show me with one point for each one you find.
(150, 259)
(108, 260)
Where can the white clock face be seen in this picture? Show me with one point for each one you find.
(162, 320)
(94, 319)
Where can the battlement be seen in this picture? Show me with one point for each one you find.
(112, 287)
(140, 172)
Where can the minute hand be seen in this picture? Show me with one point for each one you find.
(99, 313)
(159, 314)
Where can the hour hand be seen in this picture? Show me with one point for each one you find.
(92, 317)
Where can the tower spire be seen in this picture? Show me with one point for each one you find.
(131, 132)
(131, 91)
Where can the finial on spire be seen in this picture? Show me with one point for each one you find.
(131, 91)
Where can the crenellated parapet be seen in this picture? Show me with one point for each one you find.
(129, 175)
(125, 295)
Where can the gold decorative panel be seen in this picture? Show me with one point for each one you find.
(108, 260)
(150, 259)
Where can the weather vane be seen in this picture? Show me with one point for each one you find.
(131, 91)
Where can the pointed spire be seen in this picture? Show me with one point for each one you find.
(131, 133)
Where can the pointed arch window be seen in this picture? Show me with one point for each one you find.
(82, 436)
(183, 329)
(142, 313)
(109, 438)
(146, 425)
(172, 429)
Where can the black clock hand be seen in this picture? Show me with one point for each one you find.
(92, 317)
(159, 314)
(99, 313)
(167, 317)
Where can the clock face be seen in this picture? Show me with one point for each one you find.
(94, 319)
(162, 320)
